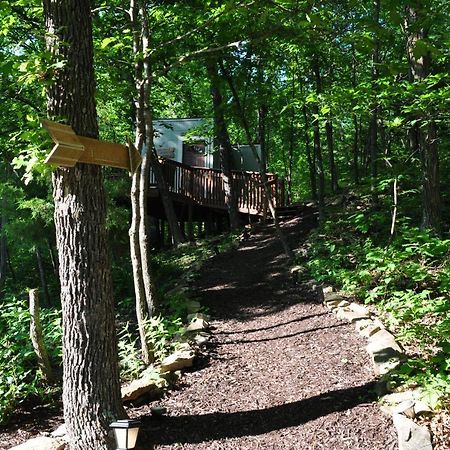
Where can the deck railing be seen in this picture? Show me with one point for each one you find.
(205, 186)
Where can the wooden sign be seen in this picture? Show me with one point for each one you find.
(70, 148)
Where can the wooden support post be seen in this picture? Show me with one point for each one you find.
(190, 227)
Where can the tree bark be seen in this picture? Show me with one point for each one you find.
(37, 337)
(142, 313)
(91, 388)
(317, 144)
(3, 249)
(225, 148)
(373, 125)
(423, 134)
(42, 275)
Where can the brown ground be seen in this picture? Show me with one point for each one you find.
(282, 372)
(279, 373)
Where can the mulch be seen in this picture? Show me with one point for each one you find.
(280, 371)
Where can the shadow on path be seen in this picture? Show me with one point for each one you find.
(208, 427)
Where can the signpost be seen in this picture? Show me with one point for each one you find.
(70, 149)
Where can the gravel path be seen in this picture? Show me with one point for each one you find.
(281, 372)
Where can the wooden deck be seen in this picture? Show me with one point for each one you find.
(203, 187)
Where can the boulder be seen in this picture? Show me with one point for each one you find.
(360, 309)
(410, 435)
(180, 359)
(197, 324)
(137, 388)
(367, 327)
(41, 443)
(349, 315)
(385, 351)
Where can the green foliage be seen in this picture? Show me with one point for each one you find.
(406, 278)
(20, 377)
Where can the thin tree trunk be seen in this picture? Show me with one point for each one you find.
(149, 158)
(317, 144)
(42, 275)
(225, 148)
(355, 149)
(53, 258)
(331, 161)
(3, 249)
(309, 156)
(373, 125)
(265, 182)
(91, 388)
(142, 313)
(37, 337)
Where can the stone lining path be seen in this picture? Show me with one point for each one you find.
(280, 372)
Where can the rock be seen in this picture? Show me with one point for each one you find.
(331, 297)
(201, 339)
(178, 360)
(158, 410)
(193, 306)
(197, 324)
(385, 352)
(137, 388)
(197, 315)
(422, 409)
(327, 290)
(41, 443)
(366, 327)
(398, 397)
(350, 316)
(60, 431)
(332, 304)
(410, 435)
(343, 304)
(406, 408)
(355, 307)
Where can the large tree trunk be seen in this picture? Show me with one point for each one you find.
(423, 135)
(91, 388)
(225, 148)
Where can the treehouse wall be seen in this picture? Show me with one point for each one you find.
(184, 141)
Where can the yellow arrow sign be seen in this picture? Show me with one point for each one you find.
(70, 148)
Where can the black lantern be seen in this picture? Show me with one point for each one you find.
(126, 432)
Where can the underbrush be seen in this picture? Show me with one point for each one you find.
(20, 377)
(407, 277)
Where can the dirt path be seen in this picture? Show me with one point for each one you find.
(282, 373)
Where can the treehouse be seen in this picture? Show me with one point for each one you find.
(192, 173)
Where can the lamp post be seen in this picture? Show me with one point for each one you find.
(126, 432)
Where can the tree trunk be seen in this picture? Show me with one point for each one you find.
(225, 149)
(91, 388)
(317, 144)
(265, 182)
(142, 313)
(42, 275)
(423, 135)
(355, 150)
(37, 337)
(373, 125)
(3, 249)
